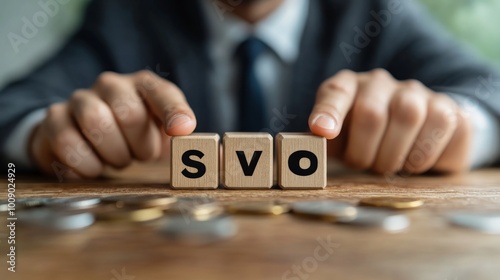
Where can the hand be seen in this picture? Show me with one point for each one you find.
(112, 123)
(387, 126)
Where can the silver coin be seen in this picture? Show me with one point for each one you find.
(4, 205)
(23, 203)
(385, 219)
(196, 208)
(195, 200)
(148, 200)
(56, 220)
(199, 232)
(83, 202)
(484, 222)
(324, 209)
(31, 202)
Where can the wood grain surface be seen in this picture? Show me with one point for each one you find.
(268, 247)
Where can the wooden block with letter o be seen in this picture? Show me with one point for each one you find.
(248, 161)
(301, 161)
(195, 161)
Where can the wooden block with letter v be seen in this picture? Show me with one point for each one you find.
(195, 161)
(248, 161)
(301, 161)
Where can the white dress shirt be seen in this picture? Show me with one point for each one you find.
(282, 32)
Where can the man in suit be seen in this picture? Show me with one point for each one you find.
(389, 88)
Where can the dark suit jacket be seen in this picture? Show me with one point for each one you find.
(128, 35)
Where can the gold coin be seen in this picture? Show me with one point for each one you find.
(258, 208)
(129, 215)
(392, 202)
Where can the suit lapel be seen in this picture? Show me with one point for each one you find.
(319, 58)
(179, 26)
(308, 69)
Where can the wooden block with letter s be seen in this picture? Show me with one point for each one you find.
(248, 161)
(301, 161)
(195, 161)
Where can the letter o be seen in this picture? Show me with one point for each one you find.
(294, 163)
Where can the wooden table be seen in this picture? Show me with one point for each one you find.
(269, 247)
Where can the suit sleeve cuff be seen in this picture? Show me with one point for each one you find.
(16, 147)
(485, 149)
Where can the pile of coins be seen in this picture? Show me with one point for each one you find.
(201, 220)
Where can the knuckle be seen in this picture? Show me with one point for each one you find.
(346, 73)
(142, 74)
(369, 116)
(93, 117)
(78, 96)
(380, 73)
(408, 109)
(412, 84)
(334, 85)
(443, 117)
(132, 117)
(63, 139)
(54, 110)
(107, 79)
(170, 87)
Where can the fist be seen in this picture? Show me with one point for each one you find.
(121, 118)
(385, 125)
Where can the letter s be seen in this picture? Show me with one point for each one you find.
(186, 159)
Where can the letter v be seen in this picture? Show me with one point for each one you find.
(248, 169)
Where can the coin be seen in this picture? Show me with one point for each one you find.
(111, 213)
(23, 203)
(392, 202)
(484, 222)
(56, 219)
(329, 210)
(81, 202)
(197, 232)
(258, 207)
(31, 202)
(385, 219)
(140, 201)
(196, 207)
(4, 205)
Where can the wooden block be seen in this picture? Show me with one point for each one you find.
(248, 161)
(195, 161)
(301, 161)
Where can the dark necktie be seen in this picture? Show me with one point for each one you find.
(251, 96)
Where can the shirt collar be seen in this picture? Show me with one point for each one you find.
(281, 30)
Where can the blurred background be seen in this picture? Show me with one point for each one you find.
(475, 22)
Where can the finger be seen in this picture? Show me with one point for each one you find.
(333, 101)
(41, 151)
(437, 132)
(97, 123)
(131, 115)
(456, 156)
(167, 102)
(408, 111)
(67, 144)
(370, 115)
(336, 147)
